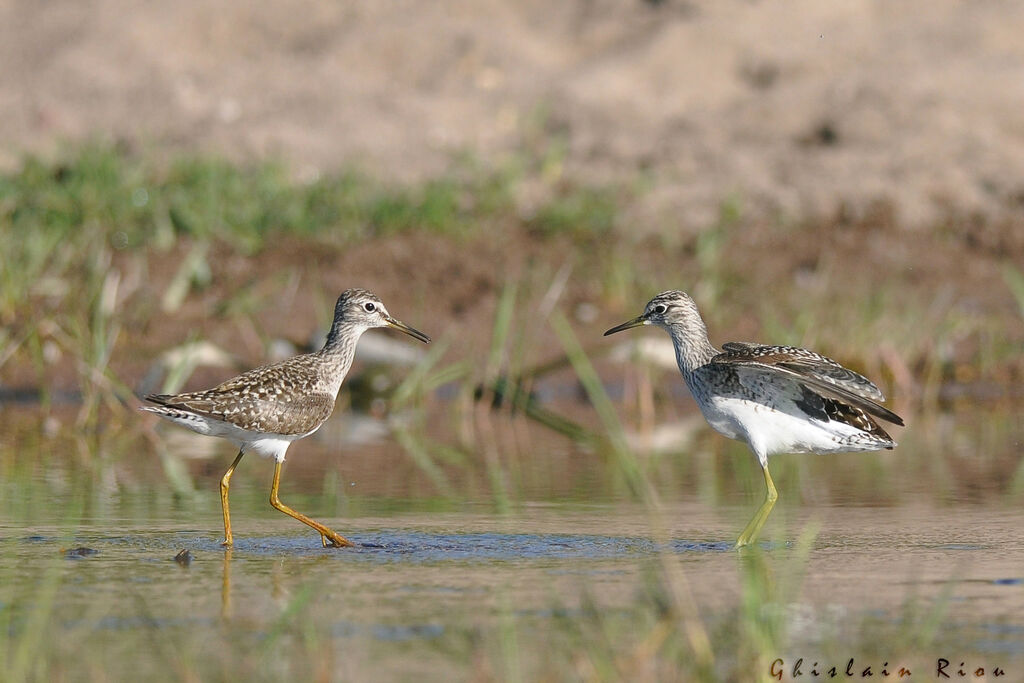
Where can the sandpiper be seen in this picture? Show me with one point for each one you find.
(266, 409)
(776, 399)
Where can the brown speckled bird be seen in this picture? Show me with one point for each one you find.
(776, 399)
(266, 409)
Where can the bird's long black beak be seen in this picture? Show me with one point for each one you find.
(402, 327)
(635, 322)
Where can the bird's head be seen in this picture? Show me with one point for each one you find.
(362, 308)
(665, 310)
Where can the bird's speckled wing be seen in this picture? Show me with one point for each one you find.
(812, 370)
(801, 362)
(267, 399)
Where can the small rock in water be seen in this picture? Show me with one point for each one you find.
(184, 558)
(76, 553)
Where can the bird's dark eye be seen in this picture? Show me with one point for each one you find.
(369, 307)
(659, 309)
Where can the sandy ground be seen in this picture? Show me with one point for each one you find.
(801, 109)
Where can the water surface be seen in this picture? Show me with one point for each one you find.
(875, 558)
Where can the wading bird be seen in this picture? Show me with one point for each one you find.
(776, 399)
(266, 409)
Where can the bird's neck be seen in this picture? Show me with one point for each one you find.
(340, 349)
(693, 348)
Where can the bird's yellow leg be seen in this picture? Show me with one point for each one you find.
(336, 540)
(753, 527)
(225, 483)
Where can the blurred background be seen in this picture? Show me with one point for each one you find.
(186, 187)
(801, 110)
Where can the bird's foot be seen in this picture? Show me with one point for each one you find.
(336, 541)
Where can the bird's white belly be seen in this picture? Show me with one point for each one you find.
(262, 443)
(272, 446)
(769, 431)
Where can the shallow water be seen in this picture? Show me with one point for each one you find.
(468, 587)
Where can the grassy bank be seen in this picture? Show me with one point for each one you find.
(106, 255)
